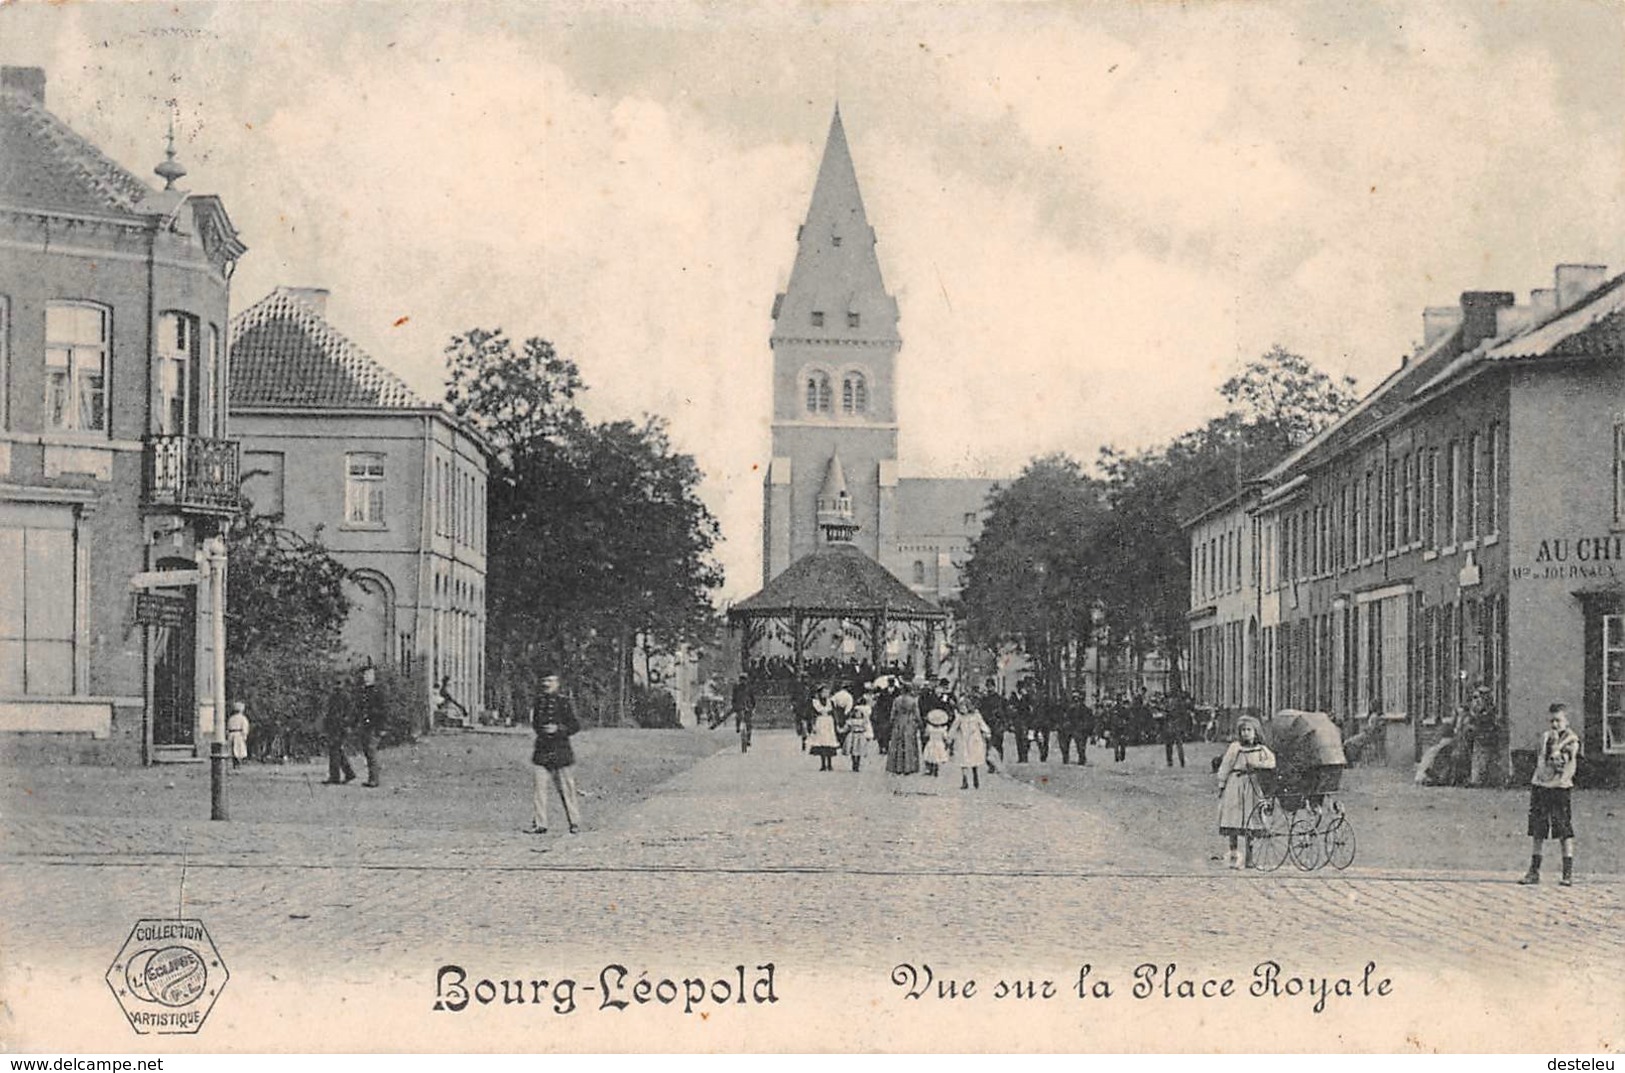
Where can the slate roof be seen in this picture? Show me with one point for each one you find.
(837, 579)
(1591, 328)
(44, 164)
(284, 353)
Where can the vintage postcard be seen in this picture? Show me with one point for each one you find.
(707, 527)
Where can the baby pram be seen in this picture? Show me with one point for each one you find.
(1300, 816)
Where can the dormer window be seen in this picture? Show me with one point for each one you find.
(818, 318)
(851, 320)
(836, 239)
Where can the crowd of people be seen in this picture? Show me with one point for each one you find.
(851, 715)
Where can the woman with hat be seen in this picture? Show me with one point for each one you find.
(1239, 791)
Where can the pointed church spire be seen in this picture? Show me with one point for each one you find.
(835, 289)
(835, 505)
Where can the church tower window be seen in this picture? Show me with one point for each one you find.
(851, 320)
(818, 393)
(818, 318)
(854, 394)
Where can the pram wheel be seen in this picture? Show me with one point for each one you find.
(1307, 841)
(1271, 829)
(1340, 842)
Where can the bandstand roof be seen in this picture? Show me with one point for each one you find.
(837, 580)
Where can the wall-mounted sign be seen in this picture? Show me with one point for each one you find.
(1590, 558)
(162, 609)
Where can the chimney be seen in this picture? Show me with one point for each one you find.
(1543, 303)
(1509, 319)
(1574, 282)
(1478, 315)
(314, 297)
(1439, 321)
(29, 81)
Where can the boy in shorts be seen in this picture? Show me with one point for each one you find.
(1549, 791)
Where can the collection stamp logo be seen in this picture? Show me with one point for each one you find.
(167, 976)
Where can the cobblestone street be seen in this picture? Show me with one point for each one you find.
(837, 878)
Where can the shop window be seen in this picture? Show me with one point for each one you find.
(76, 355)
(37, 602)
(364, 490)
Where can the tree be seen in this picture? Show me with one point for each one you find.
(598, 541)
(285, 608)
(1285, 398)
(1030, 581)
(1277, 403)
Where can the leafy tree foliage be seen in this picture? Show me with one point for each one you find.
(1277, 403)
(1060, 547)
(1031, 582)
(285, 608)
(283, 588)
(598, 541)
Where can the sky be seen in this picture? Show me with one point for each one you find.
(1090, 214)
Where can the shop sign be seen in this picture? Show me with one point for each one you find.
(161, 609)
(1599, 558)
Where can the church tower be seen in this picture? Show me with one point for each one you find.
(835, 347)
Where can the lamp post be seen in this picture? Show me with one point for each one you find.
(215, 549)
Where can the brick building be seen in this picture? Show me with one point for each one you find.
(114, 466)
(334, 441)
(1463, 525)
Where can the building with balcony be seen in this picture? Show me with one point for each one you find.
(1463, 525)
(114, 463)
(392, 484)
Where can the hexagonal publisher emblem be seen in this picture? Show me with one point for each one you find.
(167, 976)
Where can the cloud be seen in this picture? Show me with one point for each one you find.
(1088, 214)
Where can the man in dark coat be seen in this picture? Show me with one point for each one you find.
(744, 706)
(370, 722)
(991, 704)
(1021, 719)
(554, 720)
(1043, 721)
(1176, 726)
(881, 716)
(335, 722)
